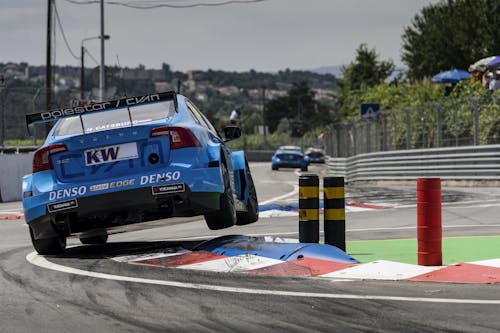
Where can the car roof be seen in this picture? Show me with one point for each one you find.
(286, 151)
(290, 148)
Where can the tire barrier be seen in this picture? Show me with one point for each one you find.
(334, 211)
(429, 228)
(309, 209)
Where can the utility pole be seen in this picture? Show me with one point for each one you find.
(263, 111)
(82, 72)
(2, 114)
(102, 77)
(48, 66)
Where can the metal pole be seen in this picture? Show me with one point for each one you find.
(82, 73)
(33, 101)
(368, 148)
(475, 106)
(439, 125)
(2, 136)
(408, 129)
(264, 112)
(384, 132)
(355, 139)
(423, 131)
(102, 81)
(48, 64)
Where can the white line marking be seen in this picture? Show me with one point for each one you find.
(294, 192)
(40, 261)
(347, 230)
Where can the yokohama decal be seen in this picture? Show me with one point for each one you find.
(167, 189)
(63, 205)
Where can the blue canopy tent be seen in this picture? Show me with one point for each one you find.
(451, 76)
(494, 63)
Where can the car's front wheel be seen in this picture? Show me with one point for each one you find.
(252, 213)
(48, 246)
(225, 217)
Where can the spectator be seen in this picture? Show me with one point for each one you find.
(495, 80)
(233, 118)
(486, 79)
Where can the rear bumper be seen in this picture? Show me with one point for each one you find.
(120, 208)
(45, 198)
(289, 165)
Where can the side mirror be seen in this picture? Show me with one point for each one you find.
(231, 133)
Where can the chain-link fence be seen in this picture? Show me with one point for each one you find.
(447, 123)
(15, 102)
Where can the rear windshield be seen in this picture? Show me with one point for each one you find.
(290, 156)
(113, 119)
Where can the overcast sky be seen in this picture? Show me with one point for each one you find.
(267, 36)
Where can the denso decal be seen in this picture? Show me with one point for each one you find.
(67, 192)
(160, 177)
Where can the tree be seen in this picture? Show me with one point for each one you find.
(451, 34)
(364, 72)
(303, 112)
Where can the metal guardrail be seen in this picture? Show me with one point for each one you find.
(476, 163)
(17, 150)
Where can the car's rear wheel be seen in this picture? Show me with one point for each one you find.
(274, 167)
(225, 217)
(252, 213)
(303, 168)
(48, 246)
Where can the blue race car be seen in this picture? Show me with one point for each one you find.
(131, 160)
(289, 158)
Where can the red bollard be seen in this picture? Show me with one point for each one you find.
(429, 230)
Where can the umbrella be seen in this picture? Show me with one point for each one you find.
(451, 76)
(481, 65)
(494, 63)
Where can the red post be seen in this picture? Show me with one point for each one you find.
(429, 229)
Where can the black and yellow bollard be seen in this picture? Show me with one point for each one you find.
(334, 211)
(309, 209)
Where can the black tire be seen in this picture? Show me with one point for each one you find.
(303, 168)
(252, 213)
(99, 239)
(275, 167)
(225, 217)
(49, 246)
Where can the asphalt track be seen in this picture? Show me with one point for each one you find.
(84, 290)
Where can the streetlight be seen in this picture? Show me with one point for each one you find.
(82, 68)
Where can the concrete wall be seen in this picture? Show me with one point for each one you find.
(12, 168)
(259, 155)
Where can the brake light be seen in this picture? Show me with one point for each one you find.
(180, 137)
(41, 159)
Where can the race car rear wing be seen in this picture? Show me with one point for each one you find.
(54, 114)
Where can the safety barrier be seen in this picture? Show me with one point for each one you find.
(309, 209)
(17, 150)
(12, 168)
(334, 210)
(472, 163)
